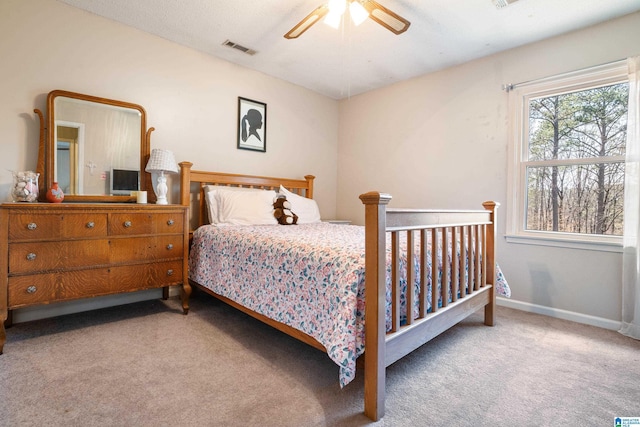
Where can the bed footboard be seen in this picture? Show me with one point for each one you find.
(468, 233)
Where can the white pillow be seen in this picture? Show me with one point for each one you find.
(210, 194)
(212, 206)
(246, 207)
(306, 209)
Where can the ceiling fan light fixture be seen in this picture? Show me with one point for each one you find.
(333, 19)
(358, 9)
(336, 10)
(358, 13)
(337, 6)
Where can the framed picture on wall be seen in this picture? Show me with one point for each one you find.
(252, 125)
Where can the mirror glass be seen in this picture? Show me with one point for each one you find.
(96, 148)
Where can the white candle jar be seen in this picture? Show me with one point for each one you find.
(25, 186)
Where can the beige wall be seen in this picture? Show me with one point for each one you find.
(190, 97)
(441, 141)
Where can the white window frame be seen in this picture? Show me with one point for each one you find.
(519, 96)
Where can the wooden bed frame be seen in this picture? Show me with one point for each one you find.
(471, 292)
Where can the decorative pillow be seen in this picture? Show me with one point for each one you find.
(210, 193)
(246, 207)
(306, 209)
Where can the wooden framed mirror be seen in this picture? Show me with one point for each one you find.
(95, 148)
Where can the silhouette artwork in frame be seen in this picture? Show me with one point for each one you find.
(252, 125)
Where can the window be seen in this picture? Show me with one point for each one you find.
(568, 158)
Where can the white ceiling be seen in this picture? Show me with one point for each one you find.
(353, 60)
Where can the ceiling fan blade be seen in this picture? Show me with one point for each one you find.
(383, 16)
(307, 22)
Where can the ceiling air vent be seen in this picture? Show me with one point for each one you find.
(241, 48)
(503, 3)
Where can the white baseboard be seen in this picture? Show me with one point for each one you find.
(37, 312)
(560, 314)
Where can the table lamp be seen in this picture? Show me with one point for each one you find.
(161, 161)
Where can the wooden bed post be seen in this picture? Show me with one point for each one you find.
(375, 293)
(490, 263)
(185, 179)
(309, 192)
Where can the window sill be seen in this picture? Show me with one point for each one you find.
(566, 243)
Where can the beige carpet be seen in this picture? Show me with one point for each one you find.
(146, 364)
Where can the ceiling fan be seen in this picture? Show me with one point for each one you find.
(358, 9)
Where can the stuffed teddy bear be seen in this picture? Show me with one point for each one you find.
(282, 211)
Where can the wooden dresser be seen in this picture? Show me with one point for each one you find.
(61, 252)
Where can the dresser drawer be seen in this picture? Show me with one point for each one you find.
(146, 248)
(69, 285)
(130, 223)
(33, 257)
(84, 225)
(146, 276)
(50, 287)
(65, 226)
(33, 226)
(169, 223)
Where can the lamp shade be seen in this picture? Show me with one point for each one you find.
(161, 161)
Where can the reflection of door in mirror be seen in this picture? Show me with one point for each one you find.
(68, 144)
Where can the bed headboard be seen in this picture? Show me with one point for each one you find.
(192, 185)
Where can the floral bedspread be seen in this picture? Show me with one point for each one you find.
(308, 276)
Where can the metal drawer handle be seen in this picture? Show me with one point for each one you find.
(91, 224)
(31, 256)
(169, 272)
(32, 226)
(170, 222)
(170, 246)
(127, 224)
(31, 289)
